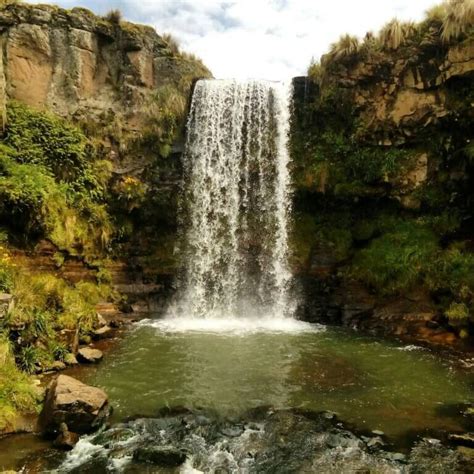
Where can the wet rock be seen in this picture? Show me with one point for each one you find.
(343, 439)
(89, 355)
(70, 359)
(81, 407)
(103, 333)
(66, 439)
(101, 320)
(464, 439)
(57, 366)
(164, 456)
(375, 443)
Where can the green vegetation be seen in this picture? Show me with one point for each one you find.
(17, 393)
(396, 261)
(51, 185)
(166, 109)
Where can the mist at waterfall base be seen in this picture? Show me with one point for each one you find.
(235, 212)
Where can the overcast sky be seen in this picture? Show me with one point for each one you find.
(265, 39)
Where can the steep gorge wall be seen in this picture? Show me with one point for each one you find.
(382, 149)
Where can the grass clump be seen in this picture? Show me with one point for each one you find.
(17, 394)
(458, 19)
(346, 46)
(395, 33)
(114, 16)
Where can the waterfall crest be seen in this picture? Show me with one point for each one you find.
(236, 202)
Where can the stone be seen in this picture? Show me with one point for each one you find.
(164, 456)
(6, 304)
(70, 359)
(101, 320)
(103, 333)
(57, 366)
(464, 439)
(66, 440)
(89, 355)
(68, 401)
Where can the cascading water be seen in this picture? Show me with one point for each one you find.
(236, 203)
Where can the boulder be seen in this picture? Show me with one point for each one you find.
(89, 355)
(70, 359)
(103, 333)
(81, 407)
(6, 303)
(164, 456)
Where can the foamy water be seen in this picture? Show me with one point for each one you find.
(231, 326)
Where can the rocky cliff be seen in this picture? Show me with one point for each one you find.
(127, 89)
(88, 68)
(382, 147)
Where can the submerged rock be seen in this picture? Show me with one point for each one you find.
(81, 407)
(89, 355)
(165, 456)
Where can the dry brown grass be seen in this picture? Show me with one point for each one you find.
(395, 33)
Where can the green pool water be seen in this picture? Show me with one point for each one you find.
(372, 384)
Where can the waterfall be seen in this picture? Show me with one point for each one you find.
(235, 209)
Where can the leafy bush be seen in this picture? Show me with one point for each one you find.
(345, 166)
(131, 191)
(166, 109)
(457, 314)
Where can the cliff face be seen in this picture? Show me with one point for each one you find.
(86, 68)
(401, 96)
(382, 150)
(127, 90)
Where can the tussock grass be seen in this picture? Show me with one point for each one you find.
(395, 33)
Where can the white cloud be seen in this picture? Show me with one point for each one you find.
(273, 39)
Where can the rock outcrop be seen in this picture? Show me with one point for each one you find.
(80, 407)
(84, 67)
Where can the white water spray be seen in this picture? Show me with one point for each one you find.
(236, 204)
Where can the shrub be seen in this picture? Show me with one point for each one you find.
(114, 16)
(166, 109)
(315, 71)
(131, 191)
(457, 314)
